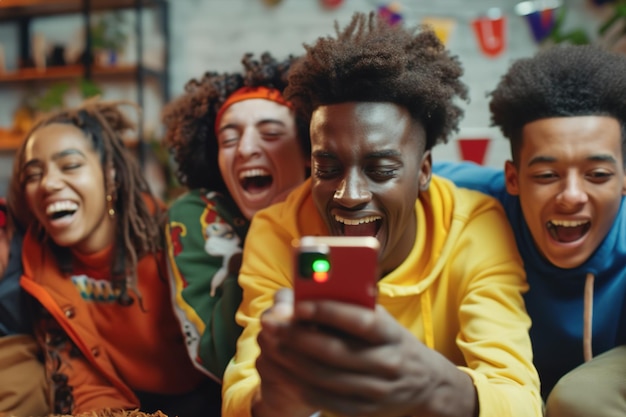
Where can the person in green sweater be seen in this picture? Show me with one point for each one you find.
(238, 147)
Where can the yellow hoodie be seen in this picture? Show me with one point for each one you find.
(459, 291)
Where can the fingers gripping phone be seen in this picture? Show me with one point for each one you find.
(342, 268)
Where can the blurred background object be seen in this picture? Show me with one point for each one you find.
(158, 45)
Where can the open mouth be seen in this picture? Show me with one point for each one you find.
(256, 180)
(566, 231)
(365, 226)
(61, 209)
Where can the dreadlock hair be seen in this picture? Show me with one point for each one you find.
(139, 230)
(371, 60)
(190, 119)
(560, 81)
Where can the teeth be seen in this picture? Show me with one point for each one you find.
(61, 206)
(568, 223)
(256, 172)
(354, 222)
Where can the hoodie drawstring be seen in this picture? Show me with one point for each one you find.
(587, 317)
(427, 317)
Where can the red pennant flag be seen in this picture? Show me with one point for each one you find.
(331, 4)
(272, 3)
(491, 31)
(473, 149)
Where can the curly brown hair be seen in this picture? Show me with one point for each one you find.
(560, 81)
(139, 228)
(371, 60)
(190, 119)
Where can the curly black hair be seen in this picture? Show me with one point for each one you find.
(560, 81)
(371, 60)
(190, 119)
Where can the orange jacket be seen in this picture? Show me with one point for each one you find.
(97, 351)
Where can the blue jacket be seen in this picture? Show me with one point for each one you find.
(14, 318)
(556, 295)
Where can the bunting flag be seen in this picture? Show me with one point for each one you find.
(272, 3)
(442, 27)
(331, 4)
(391, 13)
(490, 30)
(474, 149)
(540, 16)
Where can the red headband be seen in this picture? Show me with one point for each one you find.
(247, 93)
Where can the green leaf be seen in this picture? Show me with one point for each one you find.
(88, 88)
(53, 97)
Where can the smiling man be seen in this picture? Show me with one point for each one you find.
(239, 148)
(449, 335)
(564, 113)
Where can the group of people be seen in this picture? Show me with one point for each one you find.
(505, 306)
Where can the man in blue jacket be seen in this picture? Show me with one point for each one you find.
(564, 112)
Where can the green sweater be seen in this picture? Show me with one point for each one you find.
(205, 236)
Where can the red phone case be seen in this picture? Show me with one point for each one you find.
(353, 272)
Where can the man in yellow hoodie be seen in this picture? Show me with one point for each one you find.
(449, 336)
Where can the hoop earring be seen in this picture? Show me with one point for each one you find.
(110, 208)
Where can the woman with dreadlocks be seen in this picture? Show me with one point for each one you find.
(239, 148)
(93, 261)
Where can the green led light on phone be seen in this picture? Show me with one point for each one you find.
(321, 265)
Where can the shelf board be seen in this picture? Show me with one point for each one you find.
(10, 140)
(69, 72)
(12, 9)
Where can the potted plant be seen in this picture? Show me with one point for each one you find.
(108, 39)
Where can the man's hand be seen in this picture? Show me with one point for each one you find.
(355, 361)
(279, 393)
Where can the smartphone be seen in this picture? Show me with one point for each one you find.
(343, 268)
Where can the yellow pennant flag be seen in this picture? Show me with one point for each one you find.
(442, 26)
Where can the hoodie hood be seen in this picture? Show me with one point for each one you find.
(436, 234)
(442, 216)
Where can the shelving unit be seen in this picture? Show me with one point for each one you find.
(23, 11)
